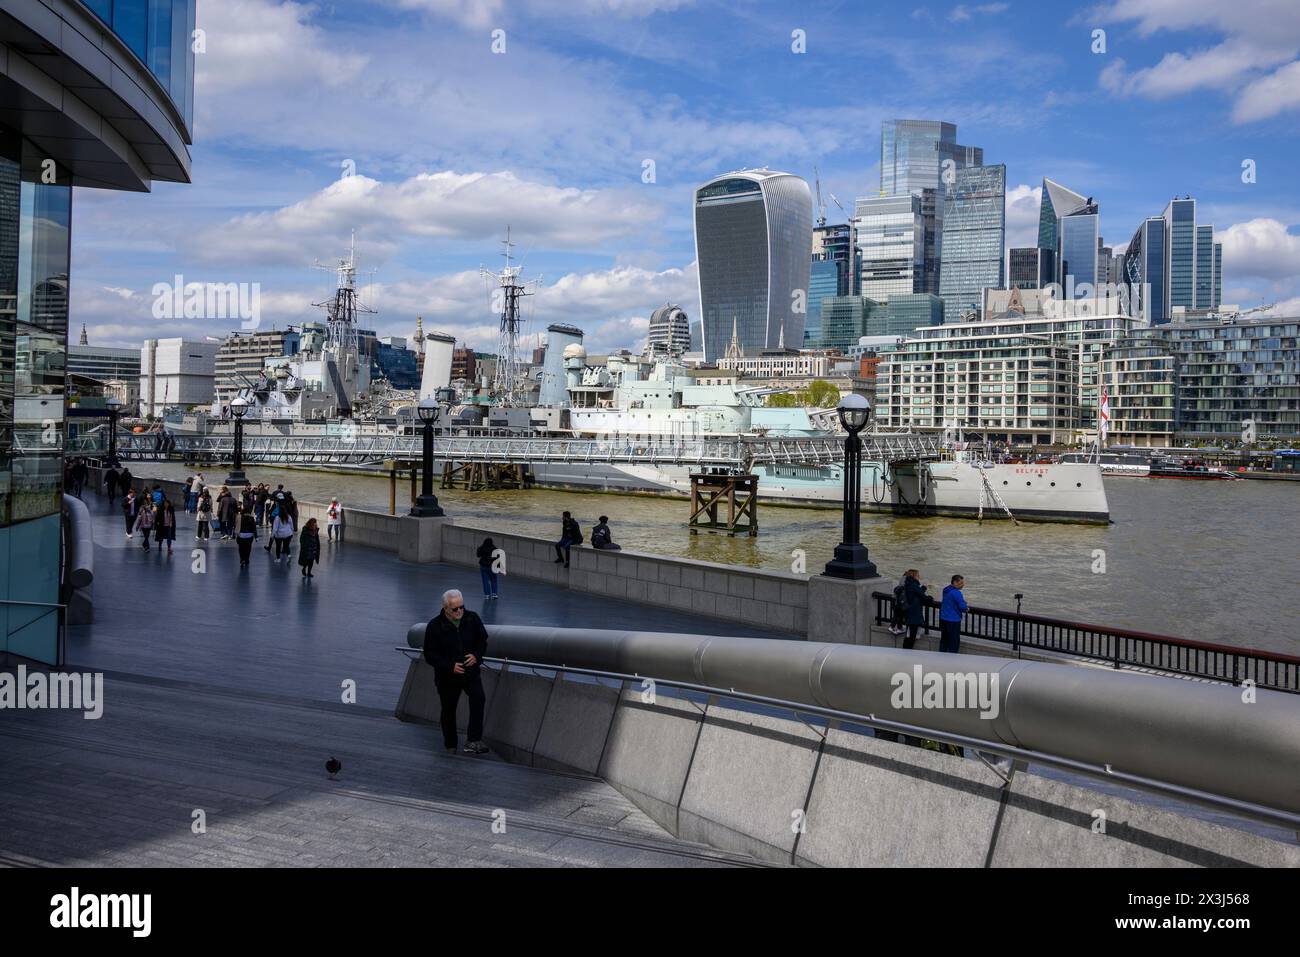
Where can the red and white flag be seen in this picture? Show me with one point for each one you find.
(1103, 417)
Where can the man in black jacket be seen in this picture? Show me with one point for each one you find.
(570, 535)
(454, 644)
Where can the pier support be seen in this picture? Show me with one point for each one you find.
(739, 492)
(484, 476)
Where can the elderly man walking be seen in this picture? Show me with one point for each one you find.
(454, 644)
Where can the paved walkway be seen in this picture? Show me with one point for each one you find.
(223, 695)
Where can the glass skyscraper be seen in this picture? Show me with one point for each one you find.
(751, 246)
(834, 258)
(128, 67)
(921, 157)
(1069, 233)
(1025, 268)
(1174, 263)
(891, 245)
(974, 236)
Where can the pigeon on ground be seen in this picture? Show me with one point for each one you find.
(333, 766)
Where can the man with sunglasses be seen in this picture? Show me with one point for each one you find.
(455, 642)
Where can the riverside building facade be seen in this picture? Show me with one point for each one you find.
(95, 94)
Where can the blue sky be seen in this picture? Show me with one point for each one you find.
(451, 141)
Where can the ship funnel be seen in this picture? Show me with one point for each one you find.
(438, 348)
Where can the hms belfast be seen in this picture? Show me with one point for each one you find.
(627, 404)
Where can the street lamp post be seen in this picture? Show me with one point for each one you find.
(426, 505)
(851, 559)
(114, 409)
(236, 477)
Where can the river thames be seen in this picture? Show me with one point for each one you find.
(1209, 561)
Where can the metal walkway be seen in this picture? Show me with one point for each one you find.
(365, 449)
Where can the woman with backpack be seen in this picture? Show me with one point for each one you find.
(144, 522)
(245, 536)
(309, 547)
(203, 527)
(486, 571)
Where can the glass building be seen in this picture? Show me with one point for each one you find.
(834, 259)
(891, 245)
(921, 157)
(974, 236)
(1069, 233)
(1175, 264)
(827, 280)
(1025, 268)
(751, 246)
(91, 94)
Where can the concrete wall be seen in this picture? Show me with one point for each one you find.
(784, 792)
(766, 599)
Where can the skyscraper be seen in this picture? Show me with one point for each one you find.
(1026, 267)
(834, 257)
(1174, 263)
(891, 245)
(751, 244)
(974, 235)
(1069, 230)
(669, 333)
(922, 157)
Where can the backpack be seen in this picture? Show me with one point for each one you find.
(577, 534)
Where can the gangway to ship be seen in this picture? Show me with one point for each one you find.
(357, 447)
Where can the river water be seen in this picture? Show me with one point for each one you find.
(1209, 561)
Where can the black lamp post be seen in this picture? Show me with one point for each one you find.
(850, 559)
(426, 505)
(236, 477)
(114, 409)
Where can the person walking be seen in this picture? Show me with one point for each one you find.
(165, 525)
(157, 495)
(455, 642)
(486, 571)
(226, 509)
(259, 504)
(110, 484)
(950, 612)
(282, 536)
(897, 622)
(203, 527)
(914, 600)
(125, 479)
(245, 535)
(291, 506)
(197, 486)
(130, 511)
(334, 521)
(144, 523)
(602, 538)
(309, 547)
(570, 535)
(79, 473)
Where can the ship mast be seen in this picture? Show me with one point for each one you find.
(506, 301)
(341, 311)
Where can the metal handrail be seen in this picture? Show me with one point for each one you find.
(1101, 772)
(1084, 640)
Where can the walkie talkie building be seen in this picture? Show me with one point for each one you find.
(752, 239)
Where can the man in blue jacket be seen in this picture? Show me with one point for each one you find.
(950, 612)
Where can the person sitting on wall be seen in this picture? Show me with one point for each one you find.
(601, 537)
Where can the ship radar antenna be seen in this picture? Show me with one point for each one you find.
(507, 294)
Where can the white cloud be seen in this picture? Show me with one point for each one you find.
(1259, 36)
(1269, 95)
(1023, 203)
(478, 14)
(1283, 308)
(431, 207)
(258, 43)
(962, 13)
(1261, 248)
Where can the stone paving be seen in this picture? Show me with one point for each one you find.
(223, 695)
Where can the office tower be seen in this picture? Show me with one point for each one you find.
(242, 357)
(922, 157)
(974, 234)
(834, 257)
(751, 246)
(891, 245)
(1173, 263)
(1026, 268)
(669, 333)
(1069, 230)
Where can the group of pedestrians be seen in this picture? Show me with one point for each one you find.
(75, 472)
(910, 598)
(150, 513)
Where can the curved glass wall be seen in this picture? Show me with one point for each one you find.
(160, 33)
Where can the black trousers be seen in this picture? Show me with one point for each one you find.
(245, 549)
(910, 640)
(282, 547)
(449, 692)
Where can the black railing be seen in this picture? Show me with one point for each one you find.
(1119, 646)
